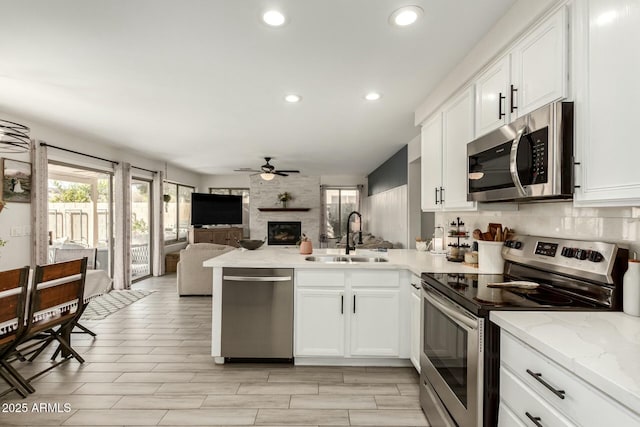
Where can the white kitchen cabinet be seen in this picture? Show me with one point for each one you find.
(320, 322)
(415, 319)
(539, 67)
(348, 313)
(457, 132)
(444, 155)
(531, 74)
(607, 67)
(532, 383)
(375, 316)
(431, 163)
(491, 96)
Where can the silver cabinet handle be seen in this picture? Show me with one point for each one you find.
(513, 162)
(257, 279)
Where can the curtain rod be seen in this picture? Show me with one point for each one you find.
(143, 169)
(43, 144)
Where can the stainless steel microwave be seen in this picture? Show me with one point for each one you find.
(528, 159)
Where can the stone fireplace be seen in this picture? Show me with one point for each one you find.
(283, 232)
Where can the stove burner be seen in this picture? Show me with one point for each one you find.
(547, 298)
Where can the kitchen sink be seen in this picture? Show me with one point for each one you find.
(344, 259)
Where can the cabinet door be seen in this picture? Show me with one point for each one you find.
(221, 237)
(431, 163)
(414, 327)
(233, 236)
(492, 93)
(606, 140)
(203, 236)
(320, 322)
(457, 132)
(375, 322)
(539, 67)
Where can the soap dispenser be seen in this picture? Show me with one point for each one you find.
(631, 288)
(438, 241)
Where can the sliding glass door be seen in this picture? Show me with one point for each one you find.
(80, 213)
(141, 215)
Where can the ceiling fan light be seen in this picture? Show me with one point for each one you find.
(267, 176)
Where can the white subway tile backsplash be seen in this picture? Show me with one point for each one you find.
(560, 219)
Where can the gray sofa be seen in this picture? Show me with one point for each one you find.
(193, 278)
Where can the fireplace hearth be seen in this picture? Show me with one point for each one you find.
(283, 232)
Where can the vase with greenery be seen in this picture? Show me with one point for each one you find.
(284, 198)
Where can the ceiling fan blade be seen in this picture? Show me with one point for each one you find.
(280, 173)
(289, 171)
(246, 170)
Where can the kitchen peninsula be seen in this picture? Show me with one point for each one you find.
(346, 312)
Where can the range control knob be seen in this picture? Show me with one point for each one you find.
(568, 252)
(517, 244)
(581, 254)
(508, 243)
(595, 256)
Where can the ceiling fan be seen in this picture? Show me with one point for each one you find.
(268, 171)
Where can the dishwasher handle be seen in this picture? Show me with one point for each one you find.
(257, 278)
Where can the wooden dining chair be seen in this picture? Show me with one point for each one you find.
(13, 297)
(55, 303)
(68, 254)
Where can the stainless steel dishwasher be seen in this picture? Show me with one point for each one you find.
(257, 313)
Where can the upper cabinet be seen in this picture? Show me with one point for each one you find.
(607, 68)
(444, 155)
(533, 73)
(491, 97)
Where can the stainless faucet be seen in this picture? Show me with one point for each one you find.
(348, 247)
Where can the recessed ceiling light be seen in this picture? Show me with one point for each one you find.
(293, 98)
(405, 16)
(273, 18)
(372, 96)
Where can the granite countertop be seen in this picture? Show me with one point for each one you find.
(408, 259)
(602, 348)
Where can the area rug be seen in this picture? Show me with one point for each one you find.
(104, 305)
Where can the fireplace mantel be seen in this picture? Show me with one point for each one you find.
(284, 209)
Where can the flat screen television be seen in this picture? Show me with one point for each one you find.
(215, 209)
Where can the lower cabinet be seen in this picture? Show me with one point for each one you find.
(320, 322)
(375, 317)
(415, 319)
(347, 314)
(535, 389)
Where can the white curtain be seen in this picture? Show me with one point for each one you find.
(158, 224)
(122, 225)
(39, 201)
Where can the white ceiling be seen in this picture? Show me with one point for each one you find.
(200, 83)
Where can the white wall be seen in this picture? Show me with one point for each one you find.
(560, 219)
(17, 253)
(388, 215)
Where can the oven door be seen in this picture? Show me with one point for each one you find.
(452, 360)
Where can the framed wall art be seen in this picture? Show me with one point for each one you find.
(16, 181)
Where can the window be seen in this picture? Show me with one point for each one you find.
(177, 211)
(244, 192)
(337, 203)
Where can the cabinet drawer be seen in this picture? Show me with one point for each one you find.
(526, 404)
(582, 402)
(507, 418)
(386, 278)
(319, 278)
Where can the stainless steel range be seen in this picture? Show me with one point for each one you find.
(461, 347)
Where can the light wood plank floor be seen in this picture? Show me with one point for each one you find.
(151, 365)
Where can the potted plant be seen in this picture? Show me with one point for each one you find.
(284, 198)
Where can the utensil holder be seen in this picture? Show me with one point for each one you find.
(490, 257)
(306, 248)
